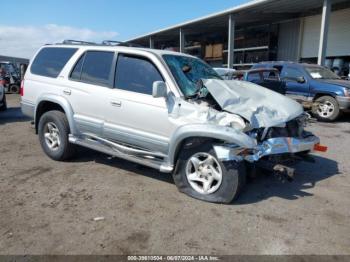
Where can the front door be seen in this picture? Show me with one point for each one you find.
(135, 117)
(296, 89)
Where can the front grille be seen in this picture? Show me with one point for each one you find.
(293, 128)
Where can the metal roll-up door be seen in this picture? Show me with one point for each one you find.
(338, 35)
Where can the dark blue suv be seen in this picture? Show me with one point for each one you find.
(316, 87)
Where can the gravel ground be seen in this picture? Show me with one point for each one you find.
(48, 207)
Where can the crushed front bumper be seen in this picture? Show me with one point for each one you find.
(272, 146)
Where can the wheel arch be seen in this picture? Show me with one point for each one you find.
(52, 102)
(199, 133)
(320, 94)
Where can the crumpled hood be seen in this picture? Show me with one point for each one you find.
(260, 106)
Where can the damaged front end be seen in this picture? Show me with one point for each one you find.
(277, 149)
(276, 124)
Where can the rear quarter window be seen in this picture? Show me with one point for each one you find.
(50, 61)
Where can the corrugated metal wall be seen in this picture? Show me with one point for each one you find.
(338, 35)
(288, 41)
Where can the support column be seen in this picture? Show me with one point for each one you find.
(324, 32)
(182, 41)
(151, 42)
(231, 41)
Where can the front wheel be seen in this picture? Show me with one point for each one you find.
(326, 108)
(201, 175)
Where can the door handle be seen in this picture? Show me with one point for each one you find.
(67, 91)
(116, 103)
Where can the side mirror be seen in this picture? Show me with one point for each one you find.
(159, 89)
(301, 80)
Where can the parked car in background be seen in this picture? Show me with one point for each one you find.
(12, 79)
(165, 110)
(316, 87)
(3, 104)
(225, 73)
(266, 77)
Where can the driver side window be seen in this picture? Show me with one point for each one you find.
(291, 74)
(136, 74)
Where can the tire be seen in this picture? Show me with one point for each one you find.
(233, 176)
(4, 104)
(57, 122)
(326, 109)
(14, 89)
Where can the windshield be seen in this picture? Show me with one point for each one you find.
(320, 73)
(188, 71)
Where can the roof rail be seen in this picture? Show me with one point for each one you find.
(77, 42)
(104, 43)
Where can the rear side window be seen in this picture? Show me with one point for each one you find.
(270, 75)
(76, 73)
(96, 67)
(50, 61)
(136, 74)
(254, 77)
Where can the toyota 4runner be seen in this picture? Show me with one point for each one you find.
(166, 110)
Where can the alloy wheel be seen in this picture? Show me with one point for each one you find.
(52, 136)
(325, 109)
(204, 173)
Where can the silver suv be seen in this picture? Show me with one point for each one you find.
(162, 109)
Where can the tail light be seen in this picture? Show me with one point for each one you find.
(21, 91)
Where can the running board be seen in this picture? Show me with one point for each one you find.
(150, 159)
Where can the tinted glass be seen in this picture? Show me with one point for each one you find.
(291, 73)
(270, 75)
(253, 77)
(50, 61)
(97, 67)
(76, 73)
(136, 74)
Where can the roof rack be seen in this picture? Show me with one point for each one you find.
(77, 42)
(104, 43)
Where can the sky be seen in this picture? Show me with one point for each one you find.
(26, 25)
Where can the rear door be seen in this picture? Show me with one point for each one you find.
(299, 91)
(89, 88)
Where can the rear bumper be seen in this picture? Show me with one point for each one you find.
(28, 109)
(272, 146)
(344, 102)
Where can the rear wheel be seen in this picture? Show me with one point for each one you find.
(53, 132)
(200, 174)
(326, 108)
(14, 89)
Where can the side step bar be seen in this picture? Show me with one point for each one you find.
(150, 159)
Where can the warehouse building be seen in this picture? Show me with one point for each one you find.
(316, 31)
